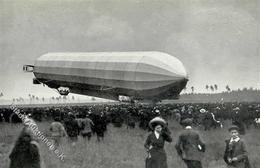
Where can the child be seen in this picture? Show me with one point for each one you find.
(235, 154)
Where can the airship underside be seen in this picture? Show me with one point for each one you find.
(139, 75)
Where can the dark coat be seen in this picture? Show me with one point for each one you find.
(190, 146)
(72, 127)
(157, 156)
(25, 154)
(100, 125)
(238, 150)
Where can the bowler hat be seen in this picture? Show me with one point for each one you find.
(202, 110)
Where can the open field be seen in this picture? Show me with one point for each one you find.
(123, 148)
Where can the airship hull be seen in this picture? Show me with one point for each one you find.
(141, 75)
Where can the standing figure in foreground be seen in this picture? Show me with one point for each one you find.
(57, 131)
(25, 153)
(189, 146)
(87, 124)
(235, 153)
(155, 144)
(72, 128)
(99, 126)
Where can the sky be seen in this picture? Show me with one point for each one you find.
(217, 41)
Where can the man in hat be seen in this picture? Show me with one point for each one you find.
(190, 146)
(235, 153)
(72, 128)
(156, 113)
(238, 120)
(87, 124)
(207, 119)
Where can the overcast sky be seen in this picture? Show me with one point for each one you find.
(217, 40)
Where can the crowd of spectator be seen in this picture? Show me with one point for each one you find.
(73, 121)
(206, 114)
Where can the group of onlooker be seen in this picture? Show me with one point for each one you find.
(190, 147)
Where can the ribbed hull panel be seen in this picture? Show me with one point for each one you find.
(129, 73)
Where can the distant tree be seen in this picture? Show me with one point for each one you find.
(1, 94)
(212, 88)
(192, 89)
(216, 87)
(73, 98)
(43, 99)
(207, 87)
(228, 88)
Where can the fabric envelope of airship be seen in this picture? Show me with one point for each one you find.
(139, 75)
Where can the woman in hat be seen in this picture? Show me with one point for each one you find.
(154, 144)
(235, 153)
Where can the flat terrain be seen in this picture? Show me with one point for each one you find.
(123, 148)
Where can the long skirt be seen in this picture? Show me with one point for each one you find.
(156, 159)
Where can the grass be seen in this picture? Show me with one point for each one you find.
(123, 148)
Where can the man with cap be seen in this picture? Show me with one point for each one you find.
(72, 128)
(207, 119)
(238, 120)
(87, 124)
(154, 144)
(190, 146)
(235, 153)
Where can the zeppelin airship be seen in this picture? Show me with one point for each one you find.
(139, 75)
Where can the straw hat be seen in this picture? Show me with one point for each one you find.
(236, 109)
(157, 120)
(202, 110)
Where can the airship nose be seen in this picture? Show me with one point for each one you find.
(175, 66)
(163, 66)
(179, 73)
(182, 73)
